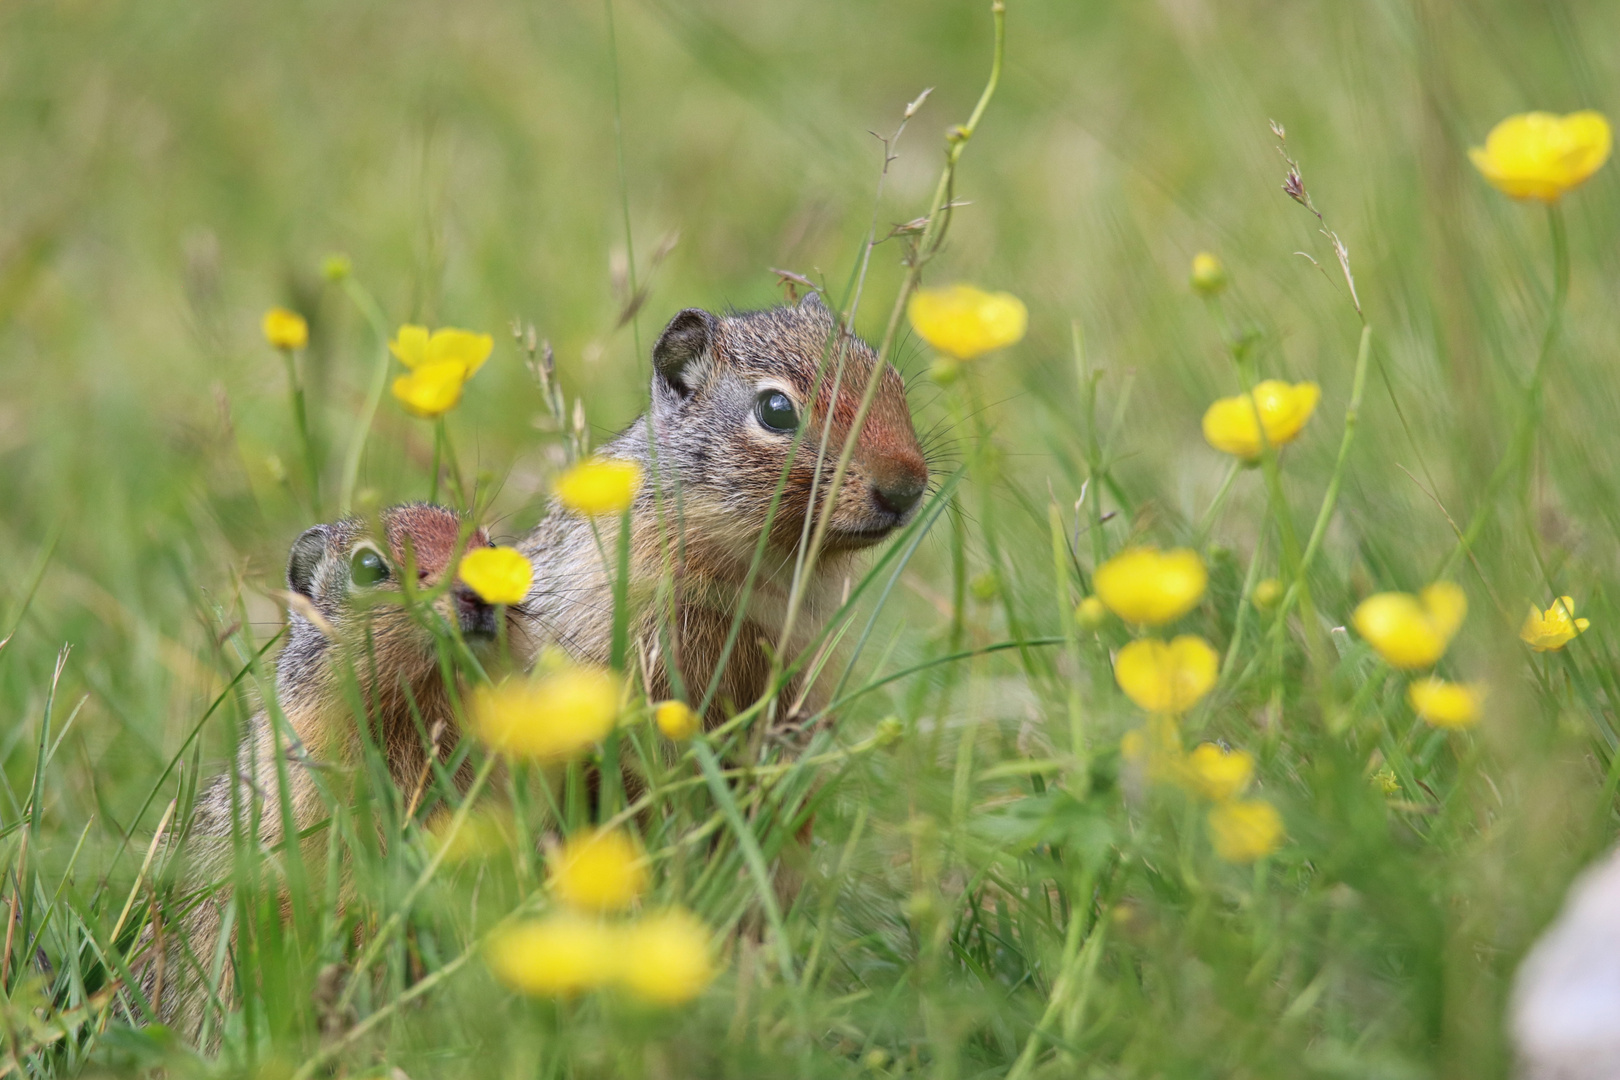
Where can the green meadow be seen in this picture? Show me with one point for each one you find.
(1019, 863)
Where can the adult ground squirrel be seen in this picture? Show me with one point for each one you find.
(350, 640)
(729, 395)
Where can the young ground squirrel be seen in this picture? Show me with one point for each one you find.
(729, 395)
(350, 640)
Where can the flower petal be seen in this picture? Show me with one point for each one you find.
(410, 345)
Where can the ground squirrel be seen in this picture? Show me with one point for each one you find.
(349, 639)
(729, 394)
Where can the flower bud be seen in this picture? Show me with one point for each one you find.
(1208, 275)
(336, 266)
(1267, 593)
(944, 370)
(1091, 613)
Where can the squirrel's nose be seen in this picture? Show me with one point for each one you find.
(476, 616)
(898, 494)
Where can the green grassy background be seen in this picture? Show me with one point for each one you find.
(170, 170)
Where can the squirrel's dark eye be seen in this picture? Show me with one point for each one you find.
(367, 568)
(775, 410)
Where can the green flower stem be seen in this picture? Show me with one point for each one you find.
(379, 382)
(1288, 539)
(1245, 602)
(1330, 498)
(295, 388)
(1207, 522)
(1071, 641)
(438, 449)
(1524, 434)
(1094, 450)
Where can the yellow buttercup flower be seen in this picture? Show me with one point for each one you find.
(665, 958)
(1267, 593)
(1554, 628)
(1166, 678)
(431, 390)
(599, 871)
(1219, 774)
(441, 362)
(1150, 587)
(416, 348)
(285, 329)
(964, 322)
(676, 720)
(1445, 704)
(550, 717)
(1245, 830)
(1230, 427)
(1208, 275)
(559, 956)
(1090, 613)
(500, 575)
(1540, 155)
(1409, 631)
(599, 486)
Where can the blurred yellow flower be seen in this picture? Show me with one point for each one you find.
(1219, 774)
(1245, 830)
(416, 348)
(1150, 587)
(500, 575)
(1208, 275)
(1267, 593)
(481, 836)
(1554, 628)
(1409, 631)
(551, 717)
(1229, 424)
(1445, 704)
(665, 958)
(599, 871)
(431, 390)
(1090, 613)
(285, 329)
(1165, 678)
(1540, 155)
(675, 719)
(965, 322)
(599, 486)
(558, 956)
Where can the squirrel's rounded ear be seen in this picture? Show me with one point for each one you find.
(682, 356)
(815, 305)
(307, 552)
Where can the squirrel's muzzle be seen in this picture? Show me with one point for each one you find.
(477, 618)
(899, 495)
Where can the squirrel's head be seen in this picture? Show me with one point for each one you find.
(732, 395)
(351, 573)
